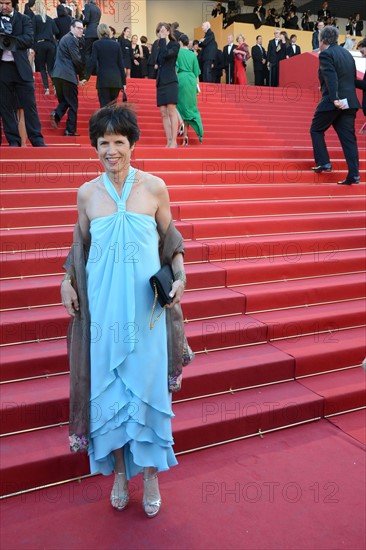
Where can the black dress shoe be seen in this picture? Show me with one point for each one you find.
(349, 181)
(14, 144)
(53, 120)
(67, 133)
(322, 168)
(39, 145)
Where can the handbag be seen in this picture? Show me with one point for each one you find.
(161, 283)
(124, 96)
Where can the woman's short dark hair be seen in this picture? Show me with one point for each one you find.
(361, 44)
(184, 39)
(329, 35)
(114, 119)
(143, 39)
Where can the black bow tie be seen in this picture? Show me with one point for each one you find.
(6, 17)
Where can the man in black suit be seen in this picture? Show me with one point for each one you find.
(208, 47)
(16, 78)
(219, 9)
(259, 56)
(292, 20)
(294, 49)
(66, 7)
(107, 63)
(338, 105)
(260, 11)
(316, 34)
(92, 15)
(324, 13)
(229, 59)
(273, 57)
(68, 65)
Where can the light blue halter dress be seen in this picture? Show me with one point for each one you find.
(130, 405)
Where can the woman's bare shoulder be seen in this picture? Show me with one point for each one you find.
(86, 190)
(153, 184)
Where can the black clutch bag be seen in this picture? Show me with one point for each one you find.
(161, 283)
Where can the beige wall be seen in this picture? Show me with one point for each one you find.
(189, 14)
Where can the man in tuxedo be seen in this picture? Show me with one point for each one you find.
(291, 20)
(229, 59)
(16, 78)
(260, 11)
(273, 54)
(68, 65)
(338, 105)
(259, 56)
(324, 13)
(294, 48)
(92, 15)
(208, 47)
(316, 34)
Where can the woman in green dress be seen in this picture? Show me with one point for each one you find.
(188, 87)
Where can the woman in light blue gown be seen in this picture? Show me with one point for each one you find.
(122, 214)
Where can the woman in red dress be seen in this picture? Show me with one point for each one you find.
(241, 56)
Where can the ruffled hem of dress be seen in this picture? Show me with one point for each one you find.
(143, 431)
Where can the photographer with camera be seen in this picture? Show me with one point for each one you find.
(354, 26)
(306, 23)
(16, 76)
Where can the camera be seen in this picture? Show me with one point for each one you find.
(7, 40)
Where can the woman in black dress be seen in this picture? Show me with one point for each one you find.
(137, 55)
(44, 31)
(167, 82)
(145, 56)
(125, 43)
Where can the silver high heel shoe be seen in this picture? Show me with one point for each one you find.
(156, 504)
(119, 498)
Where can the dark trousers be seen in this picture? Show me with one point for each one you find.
(229, 72)
(273, 75)
(343, 121)
(67, 95)
(107, 95)
(87, 50)
(207, 71)
(16, 93)
(260, 77)
(45, 55)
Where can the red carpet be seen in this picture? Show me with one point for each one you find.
(274, 309)
(290, 489)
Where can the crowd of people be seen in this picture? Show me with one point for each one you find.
(74, 45)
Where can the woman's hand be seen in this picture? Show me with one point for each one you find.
(69, 298)
(176, 293)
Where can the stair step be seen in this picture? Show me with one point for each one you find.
(352, 423)
(329, 318)
(279, 269)
(325, 352)
(239, 227)
(33, 359)
(342, 391)
(179, 194)
(303, 292)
